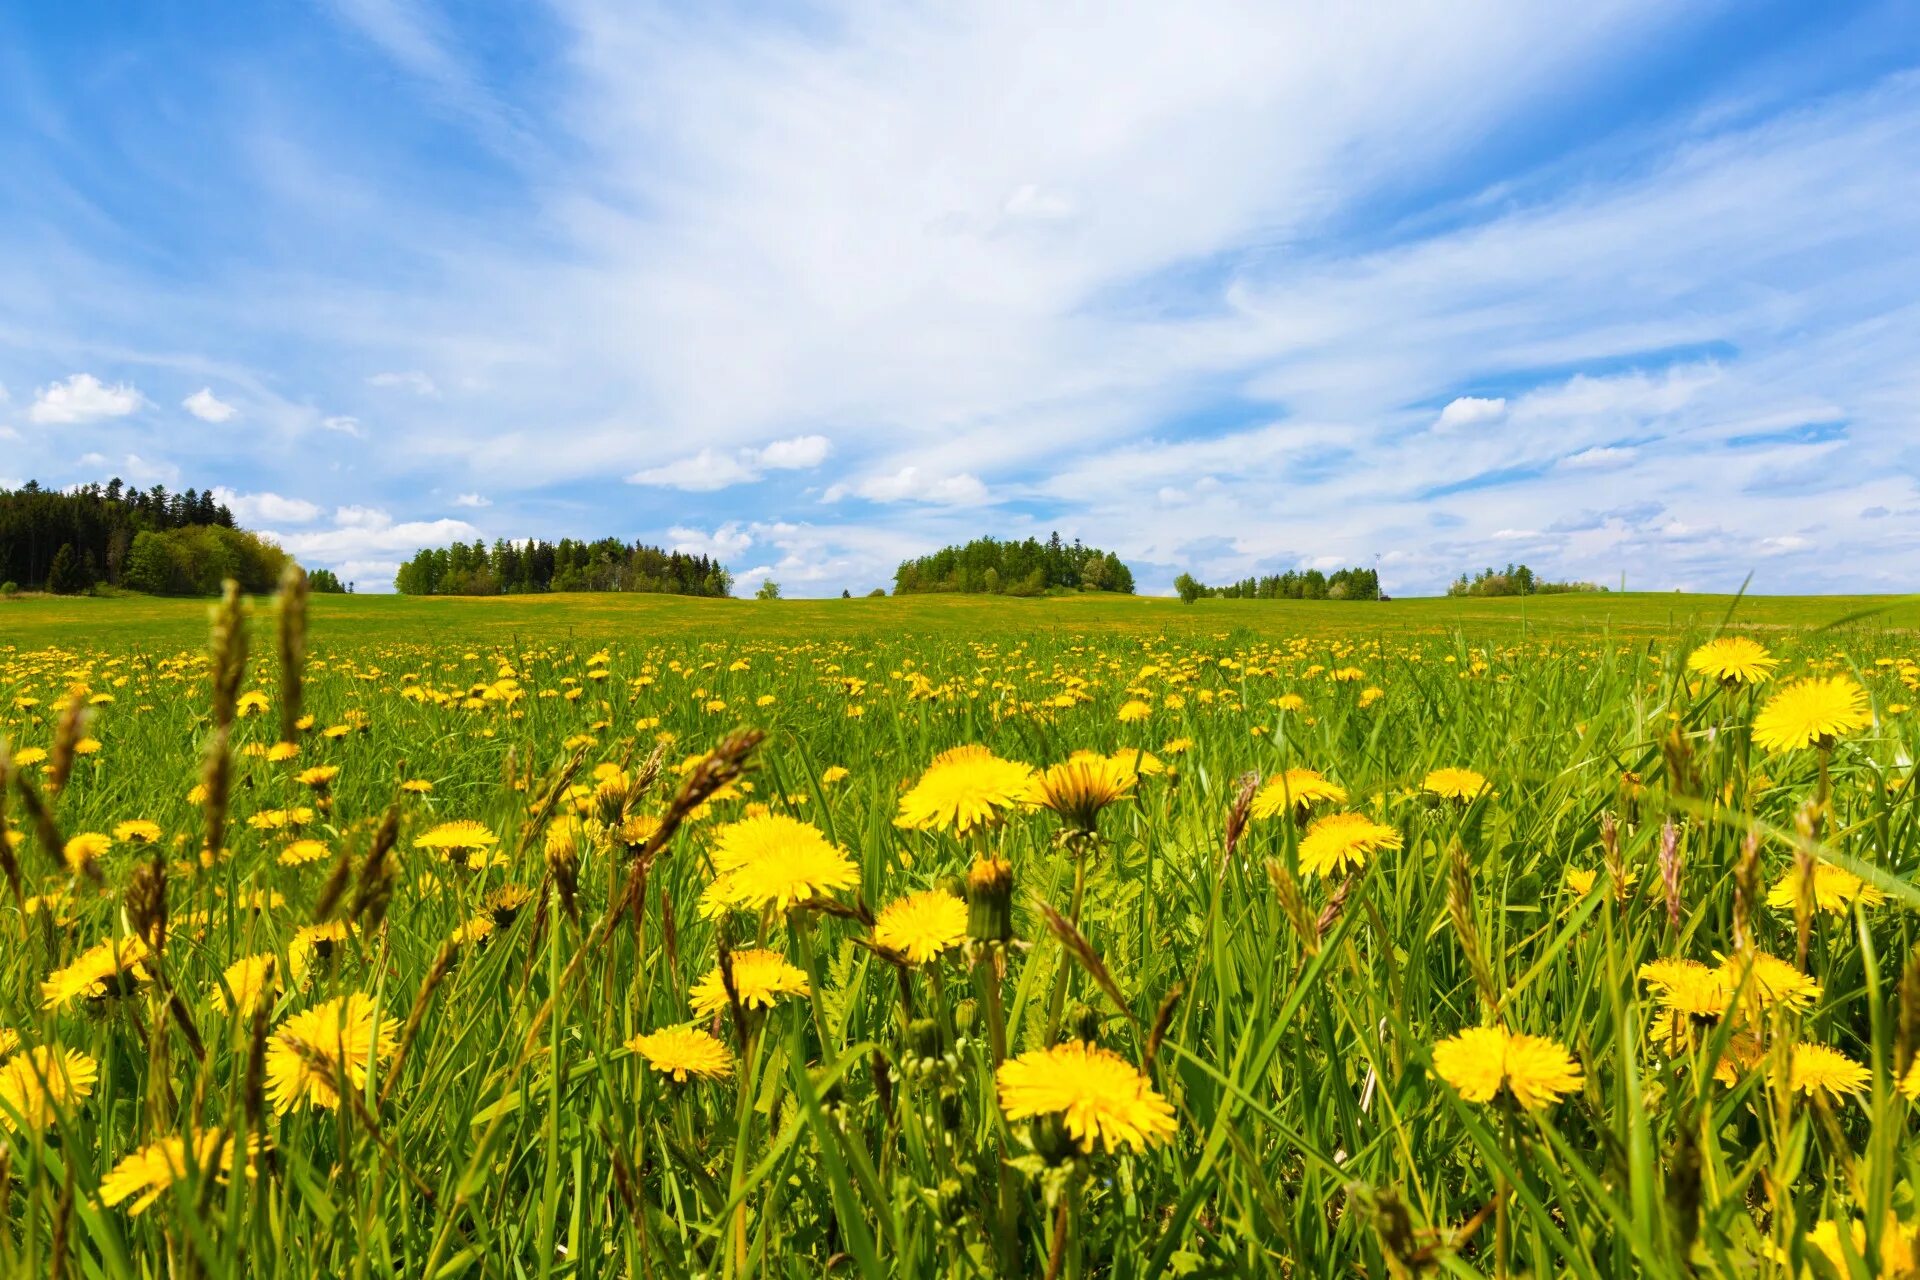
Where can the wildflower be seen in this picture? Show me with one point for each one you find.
(834, 773)
(310, 1051)
(251, 980)
(922, 925)
(1102, 1099)
(27, 757)
(37, 1085)
(680, 1052)
(281, 752)
(990, 901)
(137, 831)
(1899, 1248)
(1835, 890)
(1079, 789)
(1454, 784)
(1296, 790)
(251, 703)
(151, 1170)
(83, 850)
(506, 902)
(1811, 712)
(773, 861)
(417, 787)
(301, 852)
(111, 967)
(277, 819)
(964, 789)
(1772, 982)
(1733, 660)
(462, 835)
(1480, 1061)
(314, 944)
(1342, 840)
(319, 777)
(760, 977)
(1134, 710)
(1816, 1069)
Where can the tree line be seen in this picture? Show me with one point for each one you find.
(70, 540)
(1514, 580)
(1341, 584)
(521, 567)
(1027, 568)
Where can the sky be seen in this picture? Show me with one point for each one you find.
(1629, 292)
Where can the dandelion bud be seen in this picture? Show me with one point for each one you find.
(990, 902)
(563, 863)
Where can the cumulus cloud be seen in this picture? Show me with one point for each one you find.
(367, 542)
(255, 509)
(1469, 411)
(723, 544)
(83, 398)
(472, 500)
(207, 407)
(712, 469)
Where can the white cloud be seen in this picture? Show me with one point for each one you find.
(1783, 544)
(346, 426)
(83, 398)
(472, 500)
(366, 544)
(1600, 457)
(724, 543)
(712, 469)
(357, 517)
(252, 509)
(1468, 411)
(204, 405)
(912, 484)
(410, 380)
(142, 471)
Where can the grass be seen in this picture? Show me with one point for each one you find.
(1289, 1019)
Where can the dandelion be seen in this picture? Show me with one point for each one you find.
(1341, 841)
(773, 862)
(310, 1051)
(1103, 1101)
(1733, 661)
(83, 850)
(1296, 791)
(760, 977)
(1480, 1061)
(462, 836)
(834, 773)
(964, 789)
(252, 980)
(281, 752)
(1835, 890)
(922, 926)
(112, 967)
(301, 852)
(319, 777)
(1134, 710)
(137, 831)
(36, 1086)
(682, 1052)
(1811, 712)
(1899, 1248)
(1079, 789)
(1817, 1070)
(1454, 784)
(156, 1167)
(315, 944)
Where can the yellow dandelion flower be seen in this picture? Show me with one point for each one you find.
(137, 831)
(27, 757)
(462, 834)
(1103, 1101)
(1454, 784)
(1811, 712)
(1080, 788)
(1733, 660)
(834, 773)
(683, 1052)
(301, 852)
(314, 945)
(1816, 1069)
(319, 777)
(1835, 890)
(760, 977)
(964, 789)
(281, 752)
(1341, 841)
(156, 1167)
(922, 926)
(251, 980)
(111, 967)
(40, 1084)
(417, 787)
(773, 861)
(309, 1052)
(251, 703)
(1134, 710)
(1478, 1062)
(83, 850)
(1772, 982)
(1296, 791)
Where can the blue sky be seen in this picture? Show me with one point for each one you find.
(1626, 288)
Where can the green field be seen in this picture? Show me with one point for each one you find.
(35, 620)
(435, 959)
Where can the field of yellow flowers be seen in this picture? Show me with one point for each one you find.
(1015, 952)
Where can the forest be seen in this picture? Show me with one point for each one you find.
(522, 567)
(69, 541)
(1341, 584)
(1027, 568)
